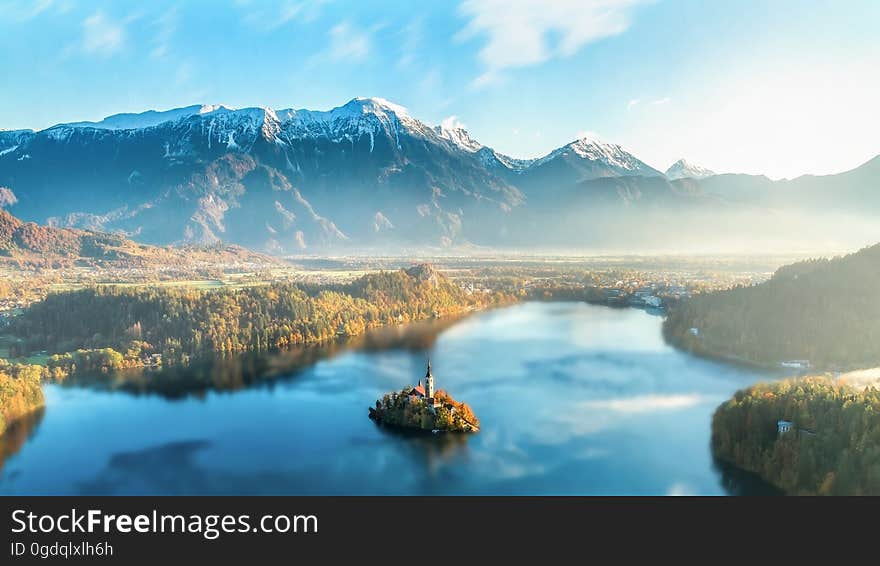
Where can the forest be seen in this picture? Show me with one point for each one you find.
(824, 311)
(20, 391)
(113, 327)
(833, 447)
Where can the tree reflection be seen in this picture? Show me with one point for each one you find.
(433, 451)
(17, 433)
(737, 481)
(231, 372)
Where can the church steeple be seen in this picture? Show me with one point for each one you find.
(429, 382)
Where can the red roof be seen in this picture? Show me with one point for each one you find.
(419, 390)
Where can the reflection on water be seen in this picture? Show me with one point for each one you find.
(433, 451)
(572, 398)
(737, 481)
(237, 371)
(17, 433)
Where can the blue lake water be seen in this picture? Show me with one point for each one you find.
(573, 399)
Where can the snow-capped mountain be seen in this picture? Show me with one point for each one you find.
(683, 169)
(459, 137)
(145, 119)
(599, 159)
(364, 174)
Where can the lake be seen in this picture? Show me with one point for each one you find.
(573, 399)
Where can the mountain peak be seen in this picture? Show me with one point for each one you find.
(374, 105)
(458, 136)
(589, 143)
(682, 169)
(591, 149)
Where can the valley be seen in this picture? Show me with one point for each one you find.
(208, 250)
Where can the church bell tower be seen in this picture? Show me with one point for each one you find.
(429, 382)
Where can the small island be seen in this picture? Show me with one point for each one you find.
(421, 408)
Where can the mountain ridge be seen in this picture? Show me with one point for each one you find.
(365, 174)
(683, 169)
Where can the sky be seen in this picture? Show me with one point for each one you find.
(781, 88)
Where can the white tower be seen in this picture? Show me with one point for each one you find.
(429, 382)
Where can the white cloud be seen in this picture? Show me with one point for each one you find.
(659, 101)
(102, 35)
(520, 33)
(452, 123)
(631, 103)
(347, 42)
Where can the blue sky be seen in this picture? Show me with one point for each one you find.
(781, 87)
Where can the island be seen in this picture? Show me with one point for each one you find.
(423, 408)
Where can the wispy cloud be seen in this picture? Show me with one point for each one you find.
(660, 101)
(24, 10)
(490, 77)
(411, 36)
(269, 17)
(347, 42)
(101, 35)
(165, 26)
(520, 33)
(631, 103)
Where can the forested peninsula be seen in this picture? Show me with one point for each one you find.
(115, 327)
(809, 436)
(822, 313)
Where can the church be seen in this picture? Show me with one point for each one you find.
(427, 391)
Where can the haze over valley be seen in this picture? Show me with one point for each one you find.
(368, 177)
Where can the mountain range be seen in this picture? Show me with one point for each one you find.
(368, 175)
